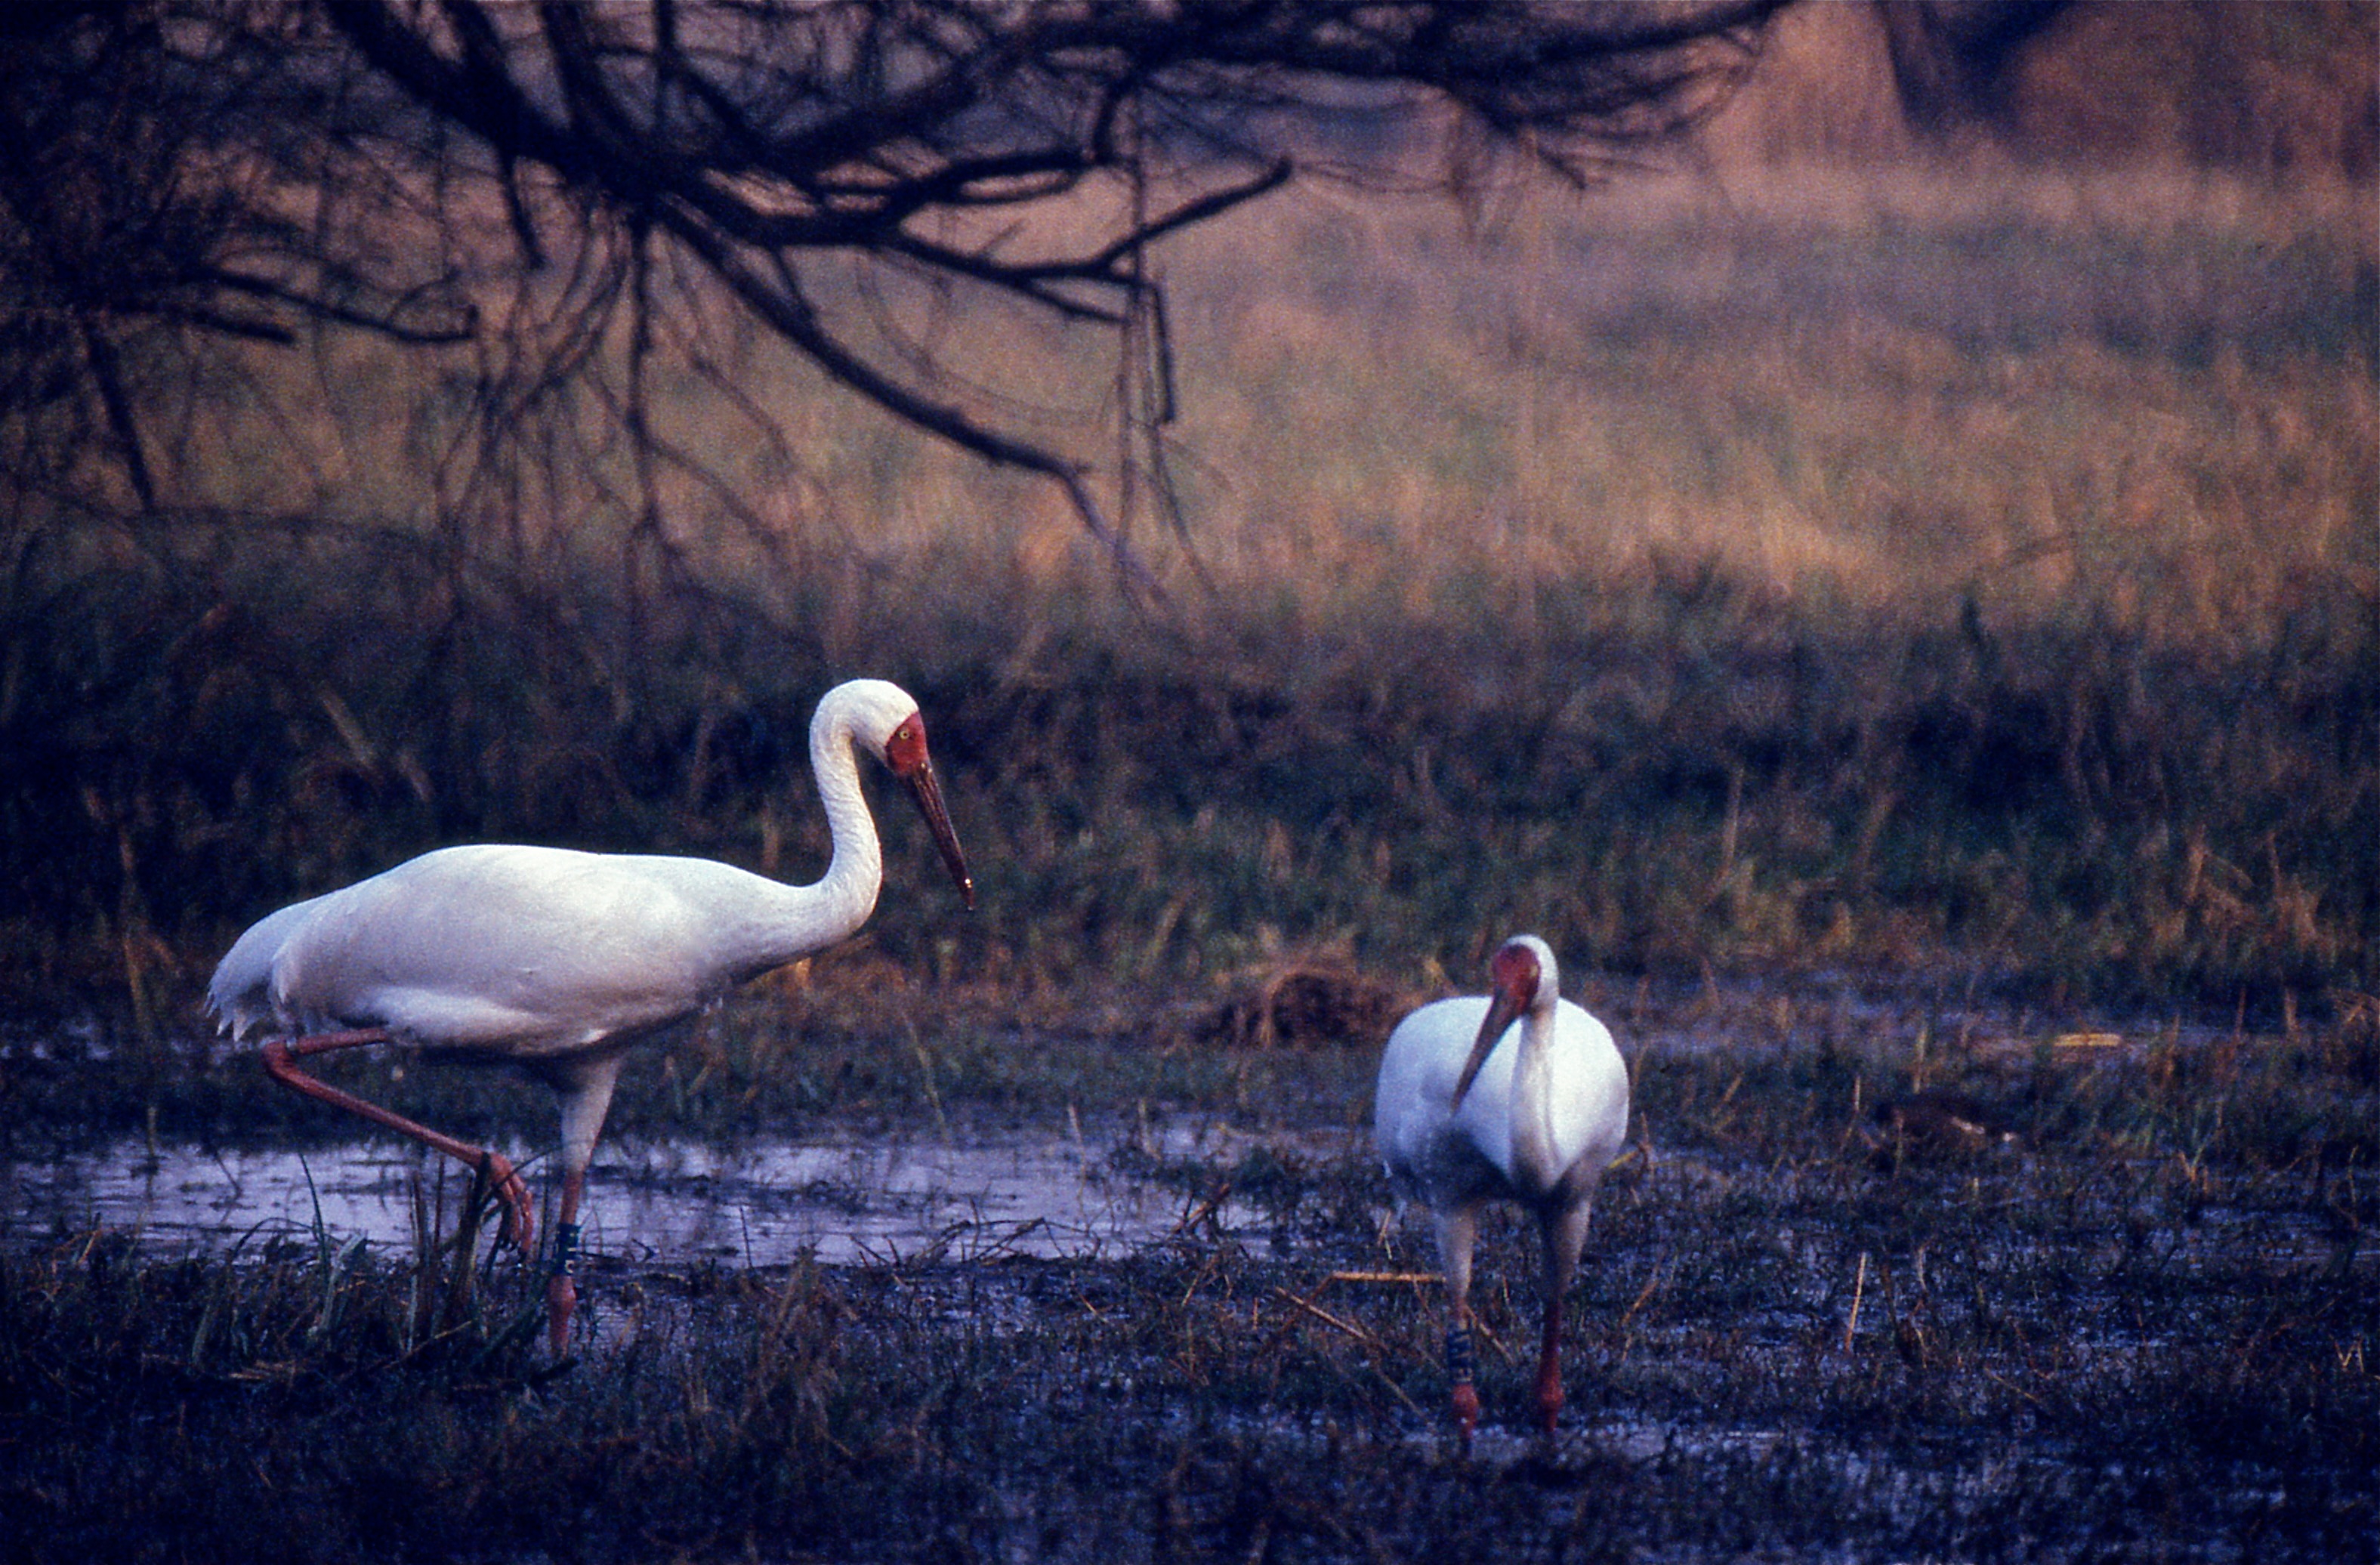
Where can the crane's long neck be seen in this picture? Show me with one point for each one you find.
(759, 924)
(1532, 1103)
(772, 923)
(839, 904)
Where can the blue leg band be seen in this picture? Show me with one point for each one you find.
(1458, 1354)
(566, 1249)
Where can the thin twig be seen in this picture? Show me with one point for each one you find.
(1415, 1277)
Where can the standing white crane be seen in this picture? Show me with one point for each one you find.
(1474, 1108)
(559, 962)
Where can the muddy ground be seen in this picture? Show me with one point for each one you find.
(2132, 1319)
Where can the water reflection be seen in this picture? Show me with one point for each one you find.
(851, 1202)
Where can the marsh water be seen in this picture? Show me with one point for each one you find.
(2142, 1330)
(841, 1201)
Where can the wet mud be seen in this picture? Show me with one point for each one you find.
(1867, 1286)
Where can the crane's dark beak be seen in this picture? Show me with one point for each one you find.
(928, 793)
(1503, 1012)
(905, 752)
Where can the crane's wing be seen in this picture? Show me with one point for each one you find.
(535, 950)
(1427, 1145)
(1588, 1118)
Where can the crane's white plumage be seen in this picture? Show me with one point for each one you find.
(534, 952)
(1515, 1096)
(560, 960)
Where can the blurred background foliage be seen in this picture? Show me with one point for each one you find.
(1863, 540)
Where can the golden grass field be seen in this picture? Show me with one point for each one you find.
(1817, 555)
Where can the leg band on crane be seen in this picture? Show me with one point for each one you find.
(1458, 1354)
(566, 1249)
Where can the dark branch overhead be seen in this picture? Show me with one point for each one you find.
(253, 165)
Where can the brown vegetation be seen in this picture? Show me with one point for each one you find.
(1882, 563)
(1921, 574)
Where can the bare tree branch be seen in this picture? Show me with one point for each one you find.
(276, 163)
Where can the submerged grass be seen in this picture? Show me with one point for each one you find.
(2133, 1334)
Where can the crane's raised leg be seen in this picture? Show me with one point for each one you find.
(280, 1055)
(1458, 1228)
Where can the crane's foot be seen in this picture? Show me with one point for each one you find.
(1464, 1395)
(1466, 1414)
(520, 1221)
(1549, 1406)
(1549, 1386)
(1549, 1394)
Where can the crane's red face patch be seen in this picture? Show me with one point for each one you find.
(1513, 971)
(905, 751)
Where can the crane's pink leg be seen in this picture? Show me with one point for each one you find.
(1550, 1387)
(280, 1059)
(1458, 1228)
(1565, 1237)
(562, 1288)
(585, 1088)
(1462, 1393)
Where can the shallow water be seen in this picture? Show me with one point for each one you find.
(765, 1203)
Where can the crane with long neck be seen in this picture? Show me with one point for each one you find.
(1515, 1096)
(560, 963)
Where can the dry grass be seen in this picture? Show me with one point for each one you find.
(1802, 573)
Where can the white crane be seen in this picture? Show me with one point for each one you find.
(1473, 1108)
(559, 962)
